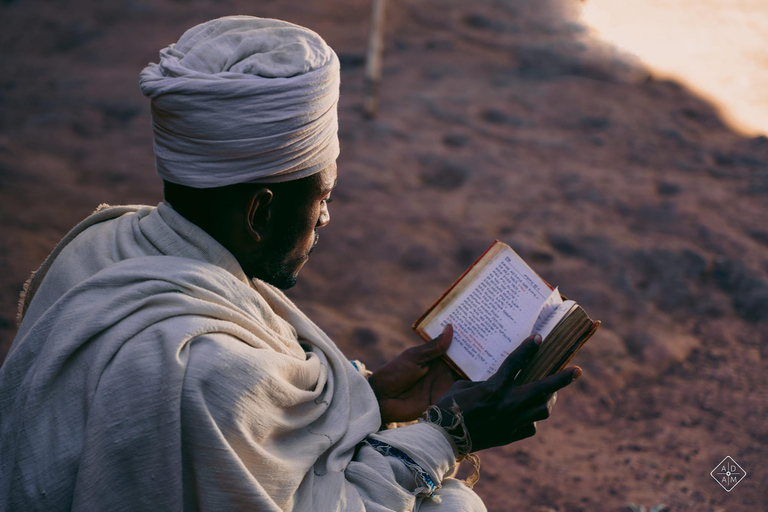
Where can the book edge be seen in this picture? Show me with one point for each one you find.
(566, 358)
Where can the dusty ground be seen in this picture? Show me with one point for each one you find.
(499, 119)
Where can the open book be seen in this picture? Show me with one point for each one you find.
(497, 303)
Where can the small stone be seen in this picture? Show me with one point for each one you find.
(456, 140)
(120, 113)
(759, 236)
(723, 159)
(674, 136)
(480, 22)
(595, 123)
(749, 292)
(469, 252)
(416, 259)
(563, 244)
(439, 44)
(365, 336)
(495, 116)
(446, 176)
(541, 257)
(666, 188)
(759, 142)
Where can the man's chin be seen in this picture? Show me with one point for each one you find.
(285, 285)
(285, 275)
(285, 278)
(282, 280)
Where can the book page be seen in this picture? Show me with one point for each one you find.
(549, 308)
(494, 314)
(554, 318)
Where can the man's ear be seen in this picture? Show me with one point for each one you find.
(259, 213)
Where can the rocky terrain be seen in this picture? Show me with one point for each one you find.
(498, 119)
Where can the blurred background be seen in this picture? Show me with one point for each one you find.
(619, 147)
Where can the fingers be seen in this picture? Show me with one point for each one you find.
(518, 358)
(542, 389)
(526, 431)
(435, 348)
(543, 411)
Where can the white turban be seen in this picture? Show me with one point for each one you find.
(243, 99)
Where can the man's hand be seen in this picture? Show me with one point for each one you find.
(498, 412)
(413, 381)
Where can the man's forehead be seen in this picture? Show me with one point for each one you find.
(328, 177)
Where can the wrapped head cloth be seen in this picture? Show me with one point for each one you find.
(241, 100)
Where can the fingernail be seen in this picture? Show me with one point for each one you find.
(537, 339)
(576, 373)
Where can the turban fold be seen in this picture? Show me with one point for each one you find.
(241, 100)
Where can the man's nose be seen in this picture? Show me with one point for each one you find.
(325, 217)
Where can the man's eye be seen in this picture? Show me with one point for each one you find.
(328, 201)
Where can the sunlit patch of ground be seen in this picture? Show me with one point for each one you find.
(717, 47)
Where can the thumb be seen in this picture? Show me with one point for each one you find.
(437, 347)
(518, 358)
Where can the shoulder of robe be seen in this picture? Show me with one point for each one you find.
(236, 379)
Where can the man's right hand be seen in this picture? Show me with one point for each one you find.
(498, 412)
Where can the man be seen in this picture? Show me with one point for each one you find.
(158, 366)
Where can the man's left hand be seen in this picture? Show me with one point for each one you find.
(416, 379)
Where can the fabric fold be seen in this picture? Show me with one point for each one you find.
(149, 371)
(243, 99)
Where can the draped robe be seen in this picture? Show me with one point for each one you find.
(149, 373)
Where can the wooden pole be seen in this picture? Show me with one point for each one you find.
(374, 59)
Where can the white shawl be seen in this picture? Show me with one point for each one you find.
(150, 374)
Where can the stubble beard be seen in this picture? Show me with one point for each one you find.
(286, 272)
(314, 243)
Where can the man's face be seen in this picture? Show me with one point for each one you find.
(293, 236)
